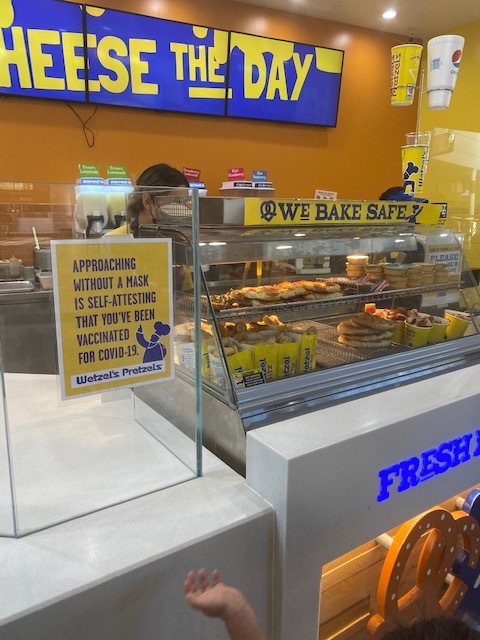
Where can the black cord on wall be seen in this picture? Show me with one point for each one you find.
(87, 132)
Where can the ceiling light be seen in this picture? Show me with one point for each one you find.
(388, 15)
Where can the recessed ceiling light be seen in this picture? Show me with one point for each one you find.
(389, 15)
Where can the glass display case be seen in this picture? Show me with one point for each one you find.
(300, 316)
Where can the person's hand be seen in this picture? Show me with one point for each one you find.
(212, 597)
(215, 598)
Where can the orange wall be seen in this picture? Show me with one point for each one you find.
(43, 141)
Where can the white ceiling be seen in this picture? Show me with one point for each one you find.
(418, 18)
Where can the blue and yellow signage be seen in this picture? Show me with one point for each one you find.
(276, 212)
(287, 81)
(113, 312)
(41, 49)
(137, 61)
(75, 52)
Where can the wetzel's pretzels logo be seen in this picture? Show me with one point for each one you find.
(268, 210)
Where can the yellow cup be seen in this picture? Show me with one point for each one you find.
(457, 326)
(414, 167)
(404, 72)
(399, 332)
(416, 336)
(439, 330)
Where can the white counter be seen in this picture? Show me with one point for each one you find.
(118, 573)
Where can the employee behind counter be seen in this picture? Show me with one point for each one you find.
(143, 208)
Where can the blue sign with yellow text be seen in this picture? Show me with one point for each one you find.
(137, 61)
(286, 81)
(41, 49)
(67, 51)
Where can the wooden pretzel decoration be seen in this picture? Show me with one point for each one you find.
(462, 566)
(440, 529)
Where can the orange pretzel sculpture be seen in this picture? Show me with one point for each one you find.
(424, 600)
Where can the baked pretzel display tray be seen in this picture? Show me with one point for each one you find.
(294, 309)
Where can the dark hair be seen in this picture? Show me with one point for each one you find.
(434, 629)
(162, 175)
(158, 175)
(387, 195)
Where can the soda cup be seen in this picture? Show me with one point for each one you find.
(414, 167)
(444, 56)
(404, 72)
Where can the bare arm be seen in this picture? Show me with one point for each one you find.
(215, 598)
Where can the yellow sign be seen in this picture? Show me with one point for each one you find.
(259, 212)
(114, 313)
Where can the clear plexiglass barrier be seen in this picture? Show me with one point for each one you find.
(87, 316)
(453, 176)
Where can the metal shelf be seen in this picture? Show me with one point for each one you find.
(311, 306)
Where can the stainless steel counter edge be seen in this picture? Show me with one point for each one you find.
(25, 297)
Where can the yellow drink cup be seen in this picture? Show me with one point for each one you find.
(404, 72)
(457, 327)
(416, 336)
(414, 167)
(439, 330)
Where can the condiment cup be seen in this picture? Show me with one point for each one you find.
(439, 330)
(458, 325)
(415, 336)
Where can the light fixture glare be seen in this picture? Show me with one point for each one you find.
(389, 15)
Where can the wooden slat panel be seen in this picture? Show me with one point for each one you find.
(352, 619)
